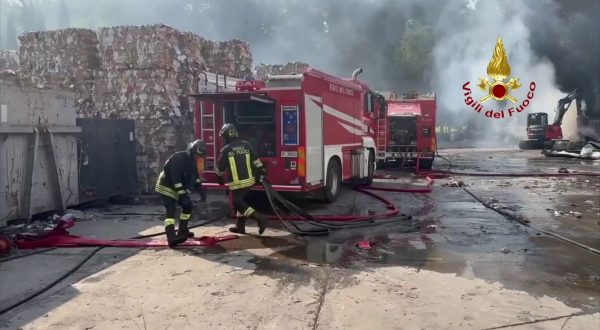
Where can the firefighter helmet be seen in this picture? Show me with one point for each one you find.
(197, 148)
(228, 132)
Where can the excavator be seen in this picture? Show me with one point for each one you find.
(549, 138)
(541, 135)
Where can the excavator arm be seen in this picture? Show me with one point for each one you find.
(563, 105)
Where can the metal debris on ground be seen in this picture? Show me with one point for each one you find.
(430, 229)
(365, 245)
(454, 183)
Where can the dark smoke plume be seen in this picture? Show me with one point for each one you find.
(338, 36)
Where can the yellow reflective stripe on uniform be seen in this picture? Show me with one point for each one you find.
(169, 221)
(242, 184)
(233, 168)
(249, 211)
(181, 192)
(166, 191)
(258, 163)
(178, 185)
(248, 166)
(184, 216)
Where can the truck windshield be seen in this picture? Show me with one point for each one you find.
(255, 122)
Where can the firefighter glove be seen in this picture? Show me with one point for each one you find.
(186, 202)
(220, 180)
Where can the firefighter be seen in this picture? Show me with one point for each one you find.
(245, 168)
(178, 177)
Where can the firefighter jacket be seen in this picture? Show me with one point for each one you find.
(243, 164)
(179, 174)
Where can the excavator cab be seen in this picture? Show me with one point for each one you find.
(537, 126)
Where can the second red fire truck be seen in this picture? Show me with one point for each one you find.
(406, 135)
(311, 130)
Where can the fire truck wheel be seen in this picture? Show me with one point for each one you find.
(425, 164)
(334, 181)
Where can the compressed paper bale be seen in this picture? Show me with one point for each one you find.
(144, 73)
(264, 70)
(9, 60)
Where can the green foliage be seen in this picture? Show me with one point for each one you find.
(413, 58)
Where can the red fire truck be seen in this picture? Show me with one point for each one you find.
(312, 130)
(407, 132)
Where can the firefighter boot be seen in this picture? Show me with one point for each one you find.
(240, 226)
(172, 238)
(184, 233)
(262, 220)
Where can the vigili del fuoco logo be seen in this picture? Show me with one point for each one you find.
(497, 87)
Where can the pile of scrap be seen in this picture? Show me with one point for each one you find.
(264, 70)
(142, 73)
(590, 151)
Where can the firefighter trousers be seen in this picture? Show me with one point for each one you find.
(239, 202)
(170, 205)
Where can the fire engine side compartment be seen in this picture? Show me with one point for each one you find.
(283, 159)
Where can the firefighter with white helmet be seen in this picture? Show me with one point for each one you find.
(178, 177)
(245, 169)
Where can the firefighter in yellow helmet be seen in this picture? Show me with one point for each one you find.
(245, 168)
(178, 177)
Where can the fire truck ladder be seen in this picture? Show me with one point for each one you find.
(207, 132)
(381, 135)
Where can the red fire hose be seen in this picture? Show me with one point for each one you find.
(60, 237)
(443, 174)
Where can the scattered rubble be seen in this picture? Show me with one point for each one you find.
(365, 244)
(558, 213)
(454, 183)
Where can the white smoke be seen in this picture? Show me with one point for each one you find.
(470, 29)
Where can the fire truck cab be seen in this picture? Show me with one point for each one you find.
(406, 135)
(312, 130)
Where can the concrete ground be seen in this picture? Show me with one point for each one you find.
(455, 265)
